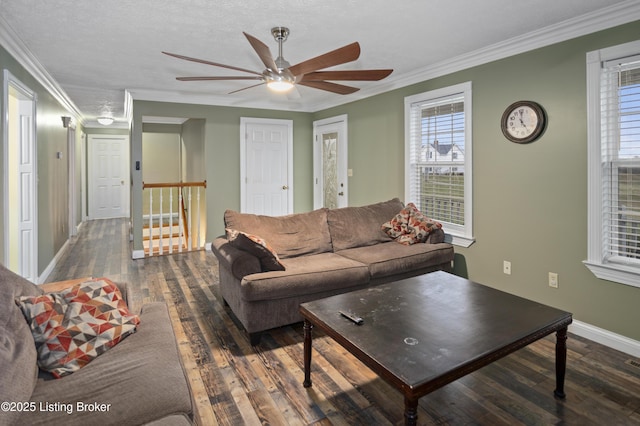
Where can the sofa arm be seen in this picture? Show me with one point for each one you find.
(239, 262)
(435, 237)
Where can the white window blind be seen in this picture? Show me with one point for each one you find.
(439, 155)
(620, 152)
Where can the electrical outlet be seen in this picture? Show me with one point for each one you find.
(553, 280)
(506, 267)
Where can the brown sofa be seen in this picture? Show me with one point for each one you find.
(138, 381)
(325, 252)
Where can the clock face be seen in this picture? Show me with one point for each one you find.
(523, 122)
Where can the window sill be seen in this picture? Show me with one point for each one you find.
(458, 240)
(622, 274)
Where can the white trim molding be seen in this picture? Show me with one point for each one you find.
(605, 337)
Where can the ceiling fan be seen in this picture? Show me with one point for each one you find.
(281, 76)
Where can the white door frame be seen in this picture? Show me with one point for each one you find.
(71, 163)
(124, 168)
(244, 122)
(338, 122)
(27, 95)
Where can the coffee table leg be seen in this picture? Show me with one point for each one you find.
(307, 353)
(561, 362)
(410, 411)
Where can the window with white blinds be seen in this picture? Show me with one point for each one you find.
(438, 158)
(614, 142)
(620, 93)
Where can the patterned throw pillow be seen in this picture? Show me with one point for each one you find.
(410, 226)
(256, 246)
(74, 326)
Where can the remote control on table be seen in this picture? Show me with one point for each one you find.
(353, 317)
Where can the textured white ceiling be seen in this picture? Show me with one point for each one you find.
(97, 51)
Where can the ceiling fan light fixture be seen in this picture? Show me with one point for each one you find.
(279, 84)
(105, 121)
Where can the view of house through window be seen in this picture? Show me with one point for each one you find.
(438, 151)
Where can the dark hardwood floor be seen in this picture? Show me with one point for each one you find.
(234, 383)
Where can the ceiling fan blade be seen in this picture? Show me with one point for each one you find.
(353, 75)
(245, 88)
(345, 54)
(202, 61)
(263, 52)
(329, 87)
(217, 78)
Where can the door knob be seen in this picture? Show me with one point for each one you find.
(285, 187)
(340, 193)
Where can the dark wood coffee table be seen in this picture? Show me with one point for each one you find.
(424, 332)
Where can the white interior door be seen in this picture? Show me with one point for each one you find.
(20, 174)
(267, 166)
(108, 168)
(330, 165)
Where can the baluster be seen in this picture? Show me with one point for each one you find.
(170, 220)
(180, 223)
(190, 239)
(150, 221)
(160, 227)
(198, 215)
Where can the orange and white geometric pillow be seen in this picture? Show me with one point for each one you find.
(74, 326)
(410, 226)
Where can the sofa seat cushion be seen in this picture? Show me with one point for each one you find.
(305, 275)
(290, 236)
(391, 258)
(361, 226)
(138, 381)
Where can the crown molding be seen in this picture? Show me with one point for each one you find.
(618, 14)
(10, 40)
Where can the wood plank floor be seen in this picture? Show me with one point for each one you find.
(234, 383)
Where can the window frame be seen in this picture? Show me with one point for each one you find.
(628, 274)
(458, 235)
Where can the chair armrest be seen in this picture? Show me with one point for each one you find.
(239, 262)
(435, 237)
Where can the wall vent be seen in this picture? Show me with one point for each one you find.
(633, 363)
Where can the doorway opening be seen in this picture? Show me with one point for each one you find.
(173, 185)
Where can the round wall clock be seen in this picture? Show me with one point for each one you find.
(523, 121)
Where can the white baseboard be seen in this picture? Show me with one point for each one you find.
(137, 254)
(605, 337)
(50, 267)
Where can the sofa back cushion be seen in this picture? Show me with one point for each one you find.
(18, 358)
(361, 226)
(290, 236)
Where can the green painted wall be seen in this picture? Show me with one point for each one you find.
(530, 201)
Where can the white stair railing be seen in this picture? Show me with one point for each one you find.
(161, 232)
